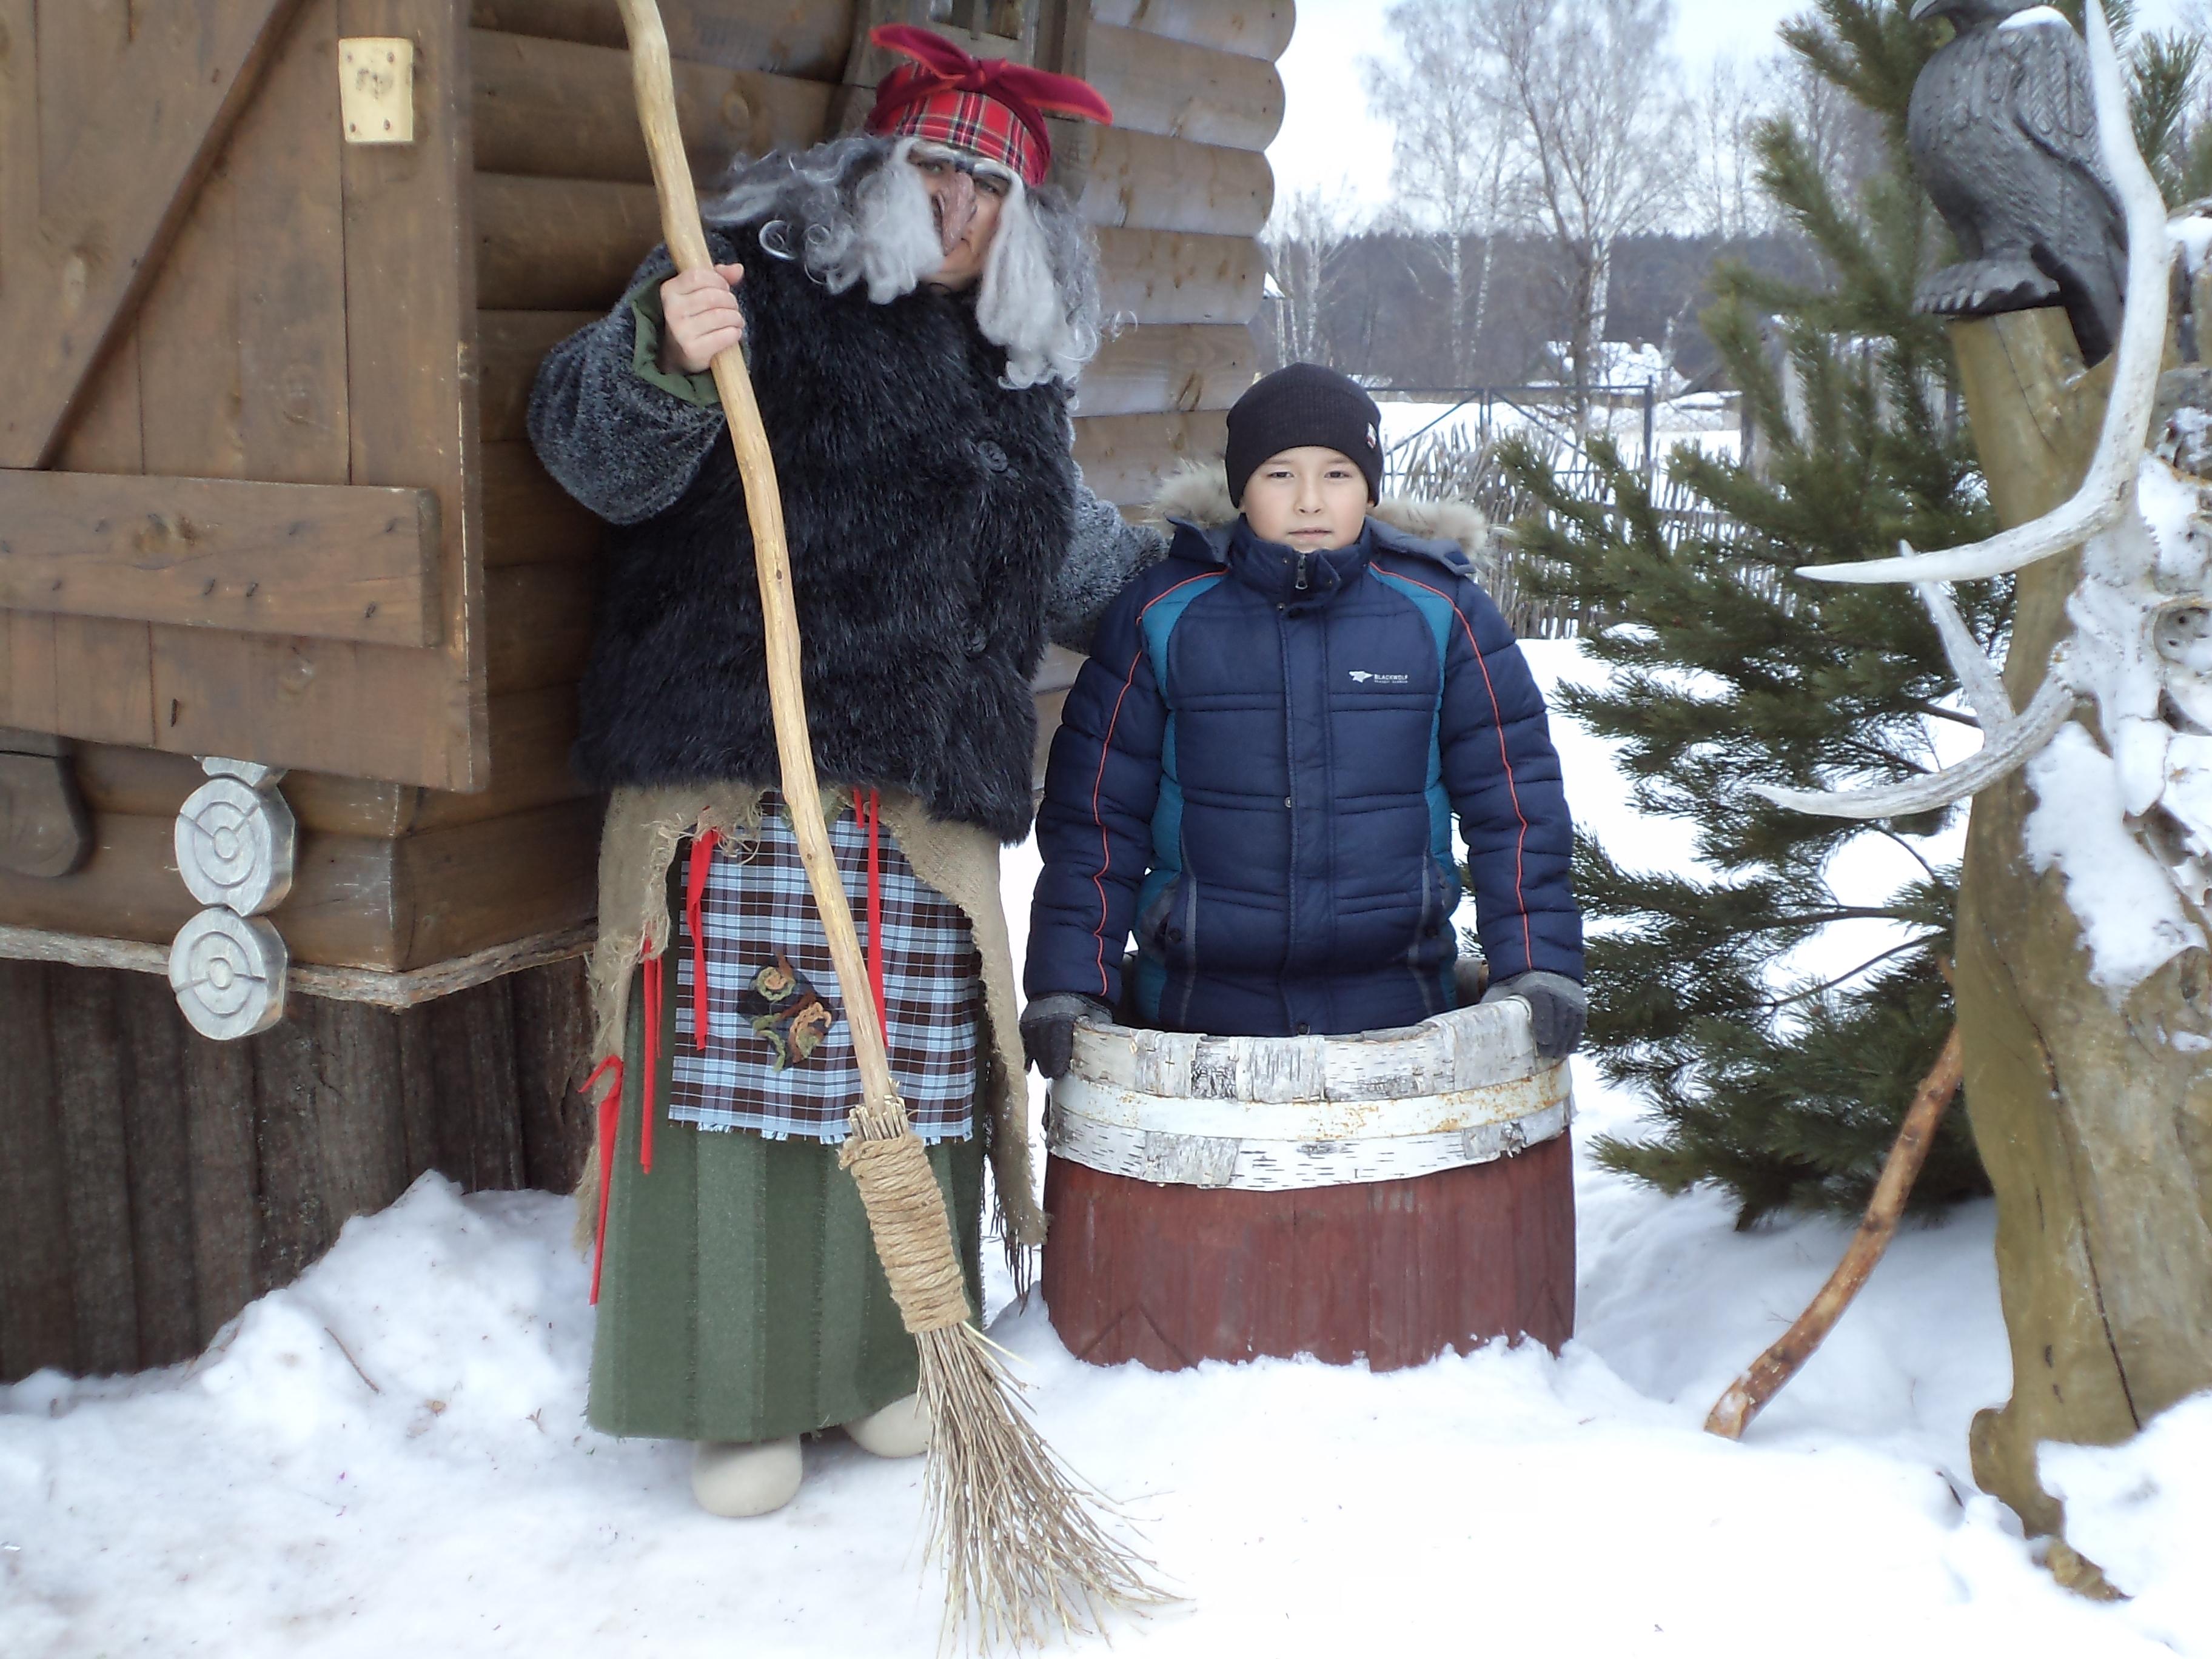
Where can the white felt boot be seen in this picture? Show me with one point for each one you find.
(736, 1481)
(899, 1429)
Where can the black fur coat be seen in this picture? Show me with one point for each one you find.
(931, 514)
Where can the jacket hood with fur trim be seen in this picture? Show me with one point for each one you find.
(1197, 494)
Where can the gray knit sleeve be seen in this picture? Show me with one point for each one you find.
(622, 436)
(1106, 554)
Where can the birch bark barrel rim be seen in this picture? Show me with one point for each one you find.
(1278, 1114)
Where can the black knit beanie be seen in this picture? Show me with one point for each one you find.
(1300, 406)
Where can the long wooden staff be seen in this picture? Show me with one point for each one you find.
(1770, 1372)
(1026, 1544)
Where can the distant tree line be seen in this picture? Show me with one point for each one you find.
(1381, 305)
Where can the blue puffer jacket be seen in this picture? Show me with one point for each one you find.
(1257, 770)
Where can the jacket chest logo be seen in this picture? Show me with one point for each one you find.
(1361, 676)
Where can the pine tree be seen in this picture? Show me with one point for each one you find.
(1728, 671)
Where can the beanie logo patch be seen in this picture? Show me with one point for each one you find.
(1373, 442)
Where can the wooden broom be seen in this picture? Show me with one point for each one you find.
(1027, 1546)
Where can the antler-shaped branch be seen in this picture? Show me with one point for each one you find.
(2106, 495)
(2008, 740)
(2108, 490)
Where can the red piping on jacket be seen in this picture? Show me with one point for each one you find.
(1105, 748)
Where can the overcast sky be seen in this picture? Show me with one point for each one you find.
(1331, 139)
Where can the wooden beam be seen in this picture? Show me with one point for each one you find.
(335, 562)
(510, 344)
(559, 244)
(560, 109)
(1252, 28)
(1124, 457)
(1168, 276)
(78, 245)
(1144, 181)
(1161, 86)
(808, 39)
(1150, 371)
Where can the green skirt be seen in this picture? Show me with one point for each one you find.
(741, 1298)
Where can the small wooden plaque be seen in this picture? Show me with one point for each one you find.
(376, 90)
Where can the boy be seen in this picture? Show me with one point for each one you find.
(1258, 767)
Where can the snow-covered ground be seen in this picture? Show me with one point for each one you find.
(390, 1457)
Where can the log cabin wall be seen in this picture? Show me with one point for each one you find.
(313, 314)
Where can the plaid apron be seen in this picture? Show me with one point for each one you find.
(777, 1058)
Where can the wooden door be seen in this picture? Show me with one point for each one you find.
(237, 452)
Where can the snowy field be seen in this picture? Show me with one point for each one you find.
(390, 1457)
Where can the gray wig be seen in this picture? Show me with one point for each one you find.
(853, 211)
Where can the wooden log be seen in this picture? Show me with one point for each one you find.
(552, 244)
(472, 1047)
(554, 109)
(1252, 28)
(216, 1084)
(1161, 86)
(158, 1160)
(1150, 370)
(1395, 1272)
(540, 625)
(1162, 276)
(1125, 457)
(808, 39)
(510, 344)
(211, 1173)
(552, 1050)
(95, 1172)
(475, 885)
(531, 732)
(1145, 182)
(37, 1314)
(528, 518)
(336, 562)
(355, 902)
(2087, 1115)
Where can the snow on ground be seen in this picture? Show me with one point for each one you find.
(390, 1456)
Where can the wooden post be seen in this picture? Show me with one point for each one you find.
(2093, 1126)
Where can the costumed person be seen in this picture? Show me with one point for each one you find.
(914, 304)
(1258, 769)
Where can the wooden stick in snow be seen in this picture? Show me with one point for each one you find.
(1771, 1371)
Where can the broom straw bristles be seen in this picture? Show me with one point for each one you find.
(1028, 1546)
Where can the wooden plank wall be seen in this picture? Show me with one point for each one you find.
(297, 333)
(242, 362)
(154, 1182)
(277, 342)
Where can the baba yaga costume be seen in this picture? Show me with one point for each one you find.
(940, 535)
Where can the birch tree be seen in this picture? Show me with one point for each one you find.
(1602, 136)
(1454, 159)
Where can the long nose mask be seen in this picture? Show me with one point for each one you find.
(954, 204)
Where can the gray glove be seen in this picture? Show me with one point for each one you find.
(1558, 1010)
(1049, 1028)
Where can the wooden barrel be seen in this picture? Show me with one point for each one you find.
(1382, 1197)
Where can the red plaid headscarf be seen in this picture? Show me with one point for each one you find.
(991, 107)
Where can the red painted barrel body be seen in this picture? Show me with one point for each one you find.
(1393, 1273)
